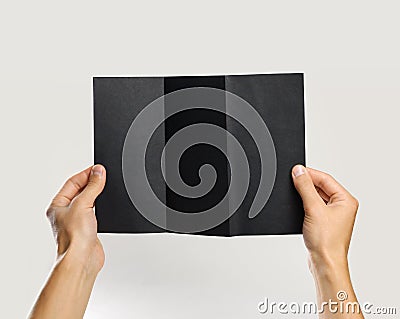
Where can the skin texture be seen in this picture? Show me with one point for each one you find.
(80, 255)
(330, 213)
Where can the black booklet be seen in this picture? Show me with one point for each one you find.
(208, 155)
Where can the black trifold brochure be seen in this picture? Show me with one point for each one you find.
(209, 155)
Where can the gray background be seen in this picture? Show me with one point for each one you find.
(349, 52)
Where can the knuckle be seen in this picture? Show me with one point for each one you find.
(354, 202)
(92, 183)
(326, 177)
(69, 180)
(50, 211)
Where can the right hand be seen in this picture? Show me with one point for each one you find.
(330, 212)
(73, 220)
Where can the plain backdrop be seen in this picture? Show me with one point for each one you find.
(49, 51)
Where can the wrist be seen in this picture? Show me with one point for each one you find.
(82, 259)
(76, 265)
(328, 265)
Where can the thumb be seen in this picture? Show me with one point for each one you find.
(94, 187)
(305, 187)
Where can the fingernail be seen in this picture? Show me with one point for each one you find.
(97, 170)
(298, 170)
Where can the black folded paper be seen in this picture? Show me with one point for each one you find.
(210, 155)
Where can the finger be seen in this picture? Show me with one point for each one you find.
(71, 188)
(305, 187)
(327, 184)
(322, 194)
(94, 187)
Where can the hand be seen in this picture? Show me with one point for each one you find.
(79, 251)
(73, 220)
(330, 212)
